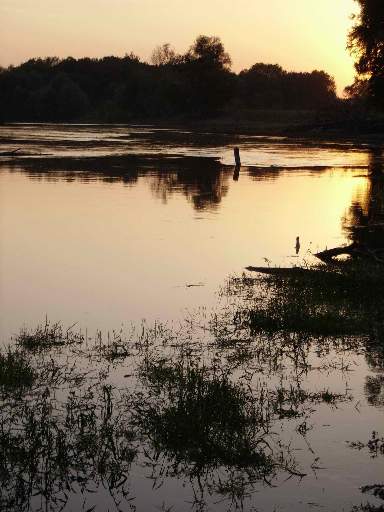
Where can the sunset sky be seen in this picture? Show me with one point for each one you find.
(297, 34)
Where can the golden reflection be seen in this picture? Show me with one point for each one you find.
(117, 227)
(364, 219)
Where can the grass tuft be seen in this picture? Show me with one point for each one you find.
(47, 336)
(346, 299)
(15, 370)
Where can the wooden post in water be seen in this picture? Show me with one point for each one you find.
(236, 172)
(236, 152)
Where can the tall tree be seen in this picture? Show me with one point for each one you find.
(366, 43)
(210, 50)
(163, 55)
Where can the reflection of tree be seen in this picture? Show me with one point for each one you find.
(203, 181)
(205, 188)
(374, 384)
(364, 221)
(107, 169)
(364, 224)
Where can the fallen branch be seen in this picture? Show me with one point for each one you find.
(354, 249)
(329, 254)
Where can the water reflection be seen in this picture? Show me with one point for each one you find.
(203, 187)
(227, 410)
(105, 230)
(79, 141)
(203, 181)
(364, 220)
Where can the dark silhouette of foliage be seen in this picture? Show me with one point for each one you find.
(269, 86)
(366, 42)
(163, 55)
(210, 51)
(197, 84)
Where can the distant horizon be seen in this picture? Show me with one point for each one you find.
(301, 37)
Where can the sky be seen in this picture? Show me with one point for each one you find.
(300, 35)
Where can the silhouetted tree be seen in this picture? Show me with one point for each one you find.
(163, 55)
(261, 86)
(209, 84)
(210, 50)
(269, 86)
(366, 42)
(61, 99)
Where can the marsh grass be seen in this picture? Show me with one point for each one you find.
(16, 372)
(376, 490)
(209, 411)
(203, 422)
(124, 344)
(48, 336)
(374, 445)
(204, 418)
(116, 350)
(186, 414)
(346, 299)
(52, 450)
(293, 402)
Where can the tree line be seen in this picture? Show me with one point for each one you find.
(196, 84)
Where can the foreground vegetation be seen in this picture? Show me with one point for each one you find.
(344, 298)
(219, 410)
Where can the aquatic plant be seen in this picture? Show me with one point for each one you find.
(342, 300)
(51, 451)
(375, 445)
(47, 336)
(16, 372)
(193, 409)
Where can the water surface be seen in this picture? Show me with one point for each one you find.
(107, 226)
(101, 241)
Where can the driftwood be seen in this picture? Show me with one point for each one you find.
(352, 250)
(329, 254)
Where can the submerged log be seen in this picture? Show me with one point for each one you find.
(329, 254)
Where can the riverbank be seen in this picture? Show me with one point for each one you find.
(360, 127)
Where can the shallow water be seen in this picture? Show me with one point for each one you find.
(90, 140)
(106, 241)
(106, 226)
